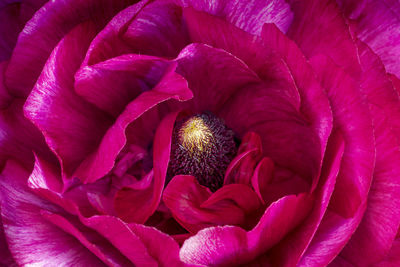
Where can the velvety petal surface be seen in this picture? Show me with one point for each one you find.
(249, 16)
(195, 207)
(378, 229)
(349, 198)
(46, 28)
(72, 127)
(319, 28)
(10, 26)
(378, 26)
(228, 245)
(32, 239)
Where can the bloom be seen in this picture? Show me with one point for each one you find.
(200, 133)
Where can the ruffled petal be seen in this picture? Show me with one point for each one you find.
(100, 162)
(195, 207)
(319, 28)
(378, 26)
(72, 127)
(348, 203)
(248, 16)
(31, 238)
(203, 66)
(112, 84)
(378, 229)
(229, 245)
(42, 33)
(158, 30)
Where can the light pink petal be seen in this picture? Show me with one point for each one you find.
(99, 163)
(241, 168)
(378, 26)
(32, 239)
(381, 221)
(72, 127)
(112, 84)
(229, 245)
(319, 28)
(158, 30)
(195, 207)
(248, 16)
(42, 33)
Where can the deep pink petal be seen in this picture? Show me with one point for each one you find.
(289, 251)
(72, 127)
(10, 26)
(352, 8)
(6, 258)
(5, 97)
(319, 28)
(263, 174)
(241, 168)
(32, 239)
(228, 245)
(378, 229)
(203, 66)
(108, 43)
(250, 15)
(45, 30)
(349, 199)
(112, 84)
(19, 137)
(158, 30)
(352, 117)
(195, 207)
(99, 163)
(378, 26)
(392, 259)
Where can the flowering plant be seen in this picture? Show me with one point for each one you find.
(199, 133)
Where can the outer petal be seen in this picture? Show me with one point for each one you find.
(250, 15)
(350, 196)
(378, 26)
(228, 245)
(319, 28)
(378, 229)
(45, 30)
(72, 127)
(31, 239)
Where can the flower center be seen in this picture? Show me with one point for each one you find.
(203, 146)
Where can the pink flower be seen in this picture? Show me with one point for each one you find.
(200, 133)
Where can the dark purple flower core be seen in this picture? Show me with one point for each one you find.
(203, 146)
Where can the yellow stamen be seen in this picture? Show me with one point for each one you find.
(195, 135)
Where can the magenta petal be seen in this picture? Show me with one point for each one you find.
(5, 255)
(392, 259)
(195, 207)
(19, 137)
(378, 26)
(112, 84)
(203, 66)
(10, 26)
(158, 30)
(45, 30)
(230, 245)
(378, 229)
(289, 251)
(32, 239)
(72, 127)
(250, 15)
(241, 168)
(5, 97)
(262, 175)
(99, 163)
(312, 22)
